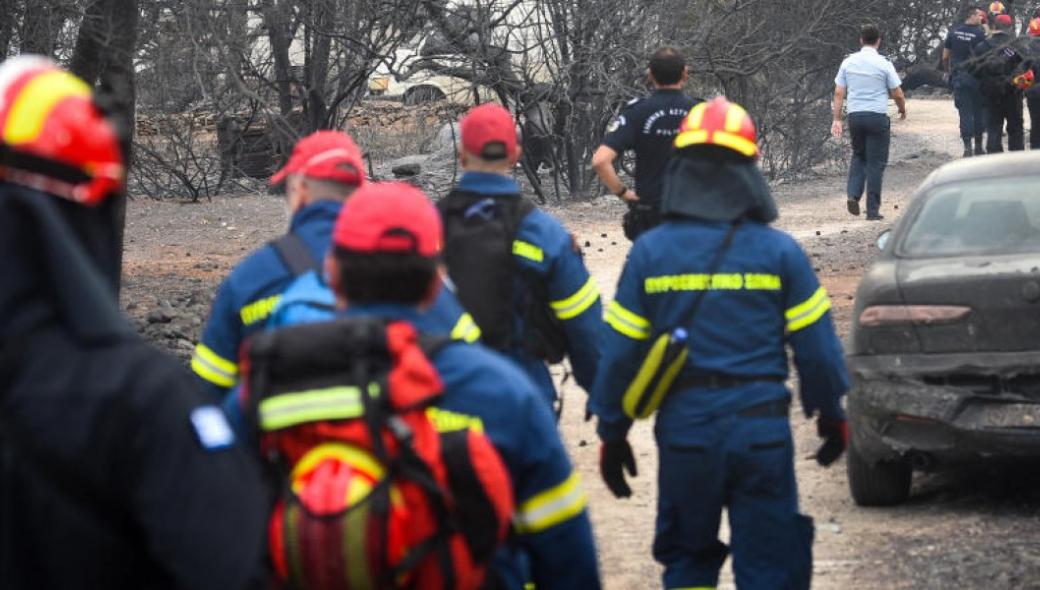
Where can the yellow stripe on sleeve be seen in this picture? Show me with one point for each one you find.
(578, 303)
(626, 322)
(552, 507)
(808, 312)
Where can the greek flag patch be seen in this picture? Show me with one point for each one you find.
(212, 428)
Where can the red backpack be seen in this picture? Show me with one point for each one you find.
(373, 496)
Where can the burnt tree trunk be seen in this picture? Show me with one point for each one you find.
(104, 56)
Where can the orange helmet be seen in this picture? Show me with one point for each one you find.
(1034, 27)
(52, 136)
(997, 8)
(722, 123)
(1024, 81)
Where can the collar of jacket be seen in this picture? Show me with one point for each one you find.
(323, 210)
(487, 183)
(711, 190)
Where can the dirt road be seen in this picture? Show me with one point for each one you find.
(976, 529)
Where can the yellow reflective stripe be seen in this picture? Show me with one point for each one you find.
(448, 421)
(212, 367)
(552, 507)
(735, 142)
(717, 282)
(762, 282)
(807, 313)
(688, 138)
(626, 322)
(332, 403)
(206, 372)
(576, 304)
(259, 310)
(735, 118)
(466, 329)
(528, 251)
(352, 455)
(696, 116)
(35, 102)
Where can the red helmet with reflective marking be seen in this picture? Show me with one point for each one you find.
(721, 123)
(1024, 81)
(52, 136)
(996, 8)
(1034, 27)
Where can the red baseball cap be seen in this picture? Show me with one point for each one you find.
(489, 131)
(325, 155)
(389, 217)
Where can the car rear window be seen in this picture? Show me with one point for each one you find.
(990, 216)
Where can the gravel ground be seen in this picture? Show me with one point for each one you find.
(977, 528)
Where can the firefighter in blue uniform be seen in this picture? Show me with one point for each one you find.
(715, 272)
(325, 167)
(546, 296)
(383, 264)
(958, 50)
(647, 127)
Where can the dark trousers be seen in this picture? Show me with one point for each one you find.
(1033, 102)
(1004, 107)
(745, 465)
(967, 97)
(871, 133)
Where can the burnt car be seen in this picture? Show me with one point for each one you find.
(944, 350)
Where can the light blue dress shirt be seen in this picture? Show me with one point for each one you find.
(869, 78)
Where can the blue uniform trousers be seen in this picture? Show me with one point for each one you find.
(871, 133)
(967, 96)
(746, 465)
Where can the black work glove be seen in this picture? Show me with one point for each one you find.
(835, 435)
(615, 457)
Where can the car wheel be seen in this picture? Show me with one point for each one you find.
(885, 483)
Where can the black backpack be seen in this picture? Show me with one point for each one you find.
(479, 234)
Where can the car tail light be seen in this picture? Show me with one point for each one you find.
(881, 315)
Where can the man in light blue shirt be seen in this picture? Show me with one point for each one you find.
(868, 80)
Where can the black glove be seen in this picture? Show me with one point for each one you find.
(835, 435)
(615, 457)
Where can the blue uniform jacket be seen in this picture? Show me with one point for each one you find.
(246, 298)
(543, 245)
(482, 389)
(763, 297)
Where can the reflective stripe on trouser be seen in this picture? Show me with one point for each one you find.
(745, 465)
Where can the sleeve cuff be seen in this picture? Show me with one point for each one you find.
(613, 430)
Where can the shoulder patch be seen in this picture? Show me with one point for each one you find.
(616, 124)
(212, 428)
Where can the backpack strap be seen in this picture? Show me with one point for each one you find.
(295, 254)
(431, 344)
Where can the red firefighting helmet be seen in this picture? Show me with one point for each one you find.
(996, 8)
(332, 485)
(1025, 80)
(52, 136)
(1034, 27)
(722, 123)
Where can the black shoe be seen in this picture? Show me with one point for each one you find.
(853, 206)
(877, 217)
